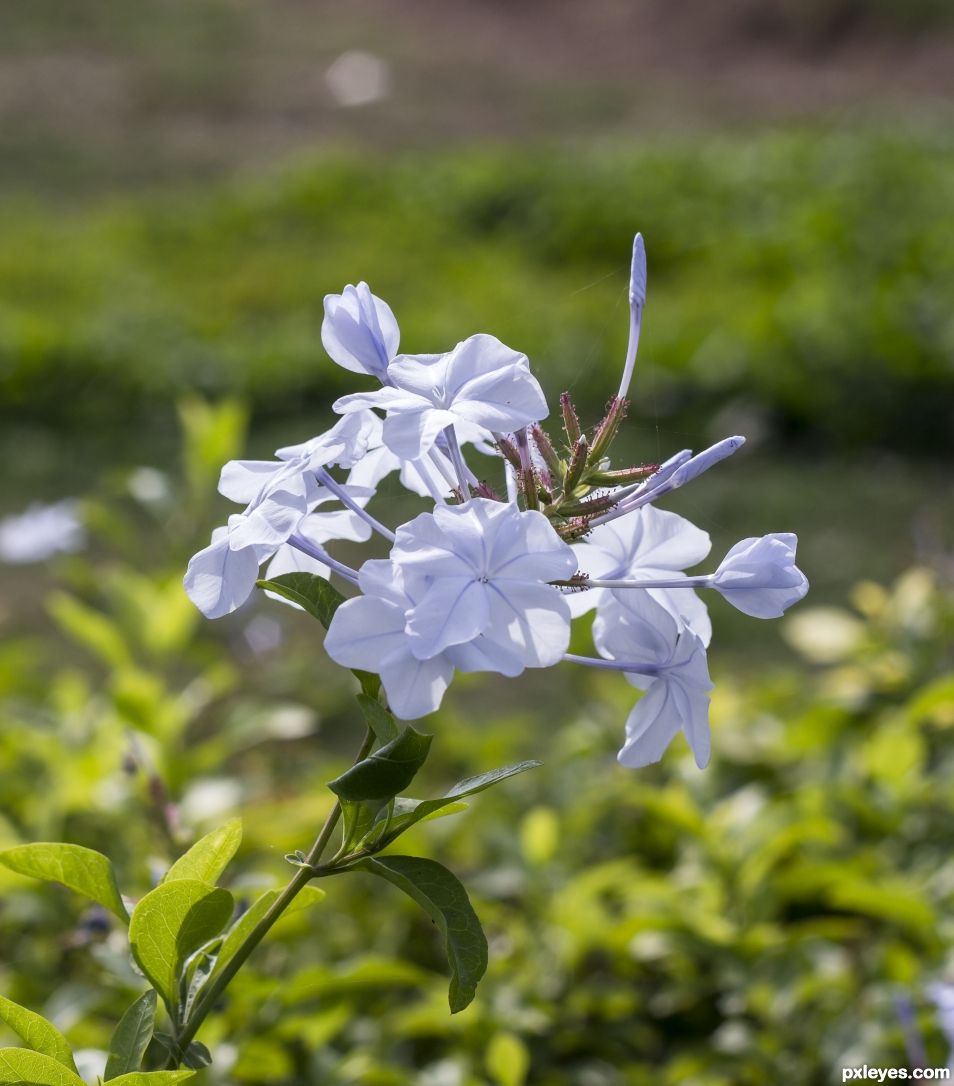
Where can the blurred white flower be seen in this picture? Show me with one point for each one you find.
(40, 532)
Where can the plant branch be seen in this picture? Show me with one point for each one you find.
(210, 995)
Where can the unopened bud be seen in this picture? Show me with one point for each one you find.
(484, 490)
(574, 529)
(571, 421)
(622, 476)
(528, 487)
(508, 450)
(577, 465)
(542, 441)
(606, 431)
(590, 507)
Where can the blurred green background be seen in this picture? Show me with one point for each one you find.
(180, 184)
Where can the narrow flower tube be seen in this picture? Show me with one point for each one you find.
(313, 550)
(652, 490)
(341, 493)
(637, 300)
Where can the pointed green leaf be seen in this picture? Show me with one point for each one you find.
(312, 593)
(209, 856)
(36, 1032)
(378, 719)
(445, 900)
(152, 1078)
(197, 1056)
(240, 930)
(81, 869)
(171, 923)
(407, 812)
(385, 772)
(20, 1065)
(132, 1036)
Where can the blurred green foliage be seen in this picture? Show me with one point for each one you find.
(800, 277)
(750, 924)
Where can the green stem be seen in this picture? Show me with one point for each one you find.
(302, 876)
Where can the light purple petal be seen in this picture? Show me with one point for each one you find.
(368, 633)
(416, 687)
(452, 611)
(651, 727)
(410, 433)
(359, 331)
(242, 480)
(218, 579)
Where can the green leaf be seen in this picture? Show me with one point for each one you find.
(132, 1036)
(152, 1078)
(209, 856)
(20, 1065)
(240, 930)
(378, 719)
(81, 869)
(171, 923)
(312, 593)
(385, 772)
(407, 812)
(36, 1032)
(197, 1056)
(445, 900)
(359, 818)
(91, 629)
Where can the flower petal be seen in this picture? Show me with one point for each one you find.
(651, 727)
(416, 687)
(453, 610)
(367, 632)
(219, 579)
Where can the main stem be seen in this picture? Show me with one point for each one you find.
(302, 876)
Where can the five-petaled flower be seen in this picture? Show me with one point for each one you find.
(486, 583)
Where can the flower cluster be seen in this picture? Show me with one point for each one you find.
(492, 574)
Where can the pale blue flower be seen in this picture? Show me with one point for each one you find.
(759, 575)
(344, 444)
(221, 577)
(480, 382)
(466, 587)
(479, 574)
(359, 331)
(368, 632)
(647, 545)
(40, 532)
(665, 658)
